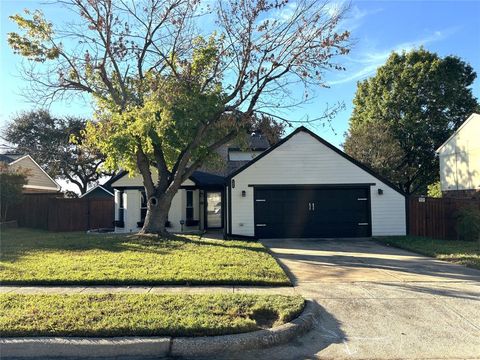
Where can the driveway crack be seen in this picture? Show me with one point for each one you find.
(460, 315)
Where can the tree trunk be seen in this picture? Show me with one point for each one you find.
(157, 215)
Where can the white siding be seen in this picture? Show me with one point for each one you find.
(132, 202)
(304, 160)
(460, 158)
(37, 178)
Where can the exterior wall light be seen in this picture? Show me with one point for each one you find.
(244, 193)
(380, 192)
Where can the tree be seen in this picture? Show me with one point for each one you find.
(11, 187)
(48, 140)
(167, 91)
(420, 99)
(434, 190)
(385, 157)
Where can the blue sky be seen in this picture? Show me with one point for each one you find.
(378, 27)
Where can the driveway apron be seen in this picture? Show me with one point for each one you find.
(379, 302)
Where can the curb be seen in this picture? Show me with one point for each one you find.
(159, 346)
(205, 346)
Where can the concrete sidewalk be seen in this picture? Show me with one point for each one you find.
(147, 290)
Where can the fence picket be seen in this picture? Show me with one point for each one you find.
(436, 217)
(49, 212)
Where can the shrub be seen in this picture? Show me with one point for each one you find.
(468, 223)
(11, 185)
(434, 190)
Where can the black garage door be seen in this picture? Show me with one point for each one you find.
(314, 212)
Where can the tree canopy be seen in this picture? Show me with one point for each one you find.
(48, 140)
(408, 109)
(173, 80)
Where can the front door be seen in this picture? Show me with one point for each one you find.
(214, 209)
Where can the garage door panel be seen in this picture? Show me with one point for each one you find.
(342, 212)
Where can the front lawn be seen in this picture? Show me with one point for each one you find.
(143, 315)
(40, 257)
(460, 252)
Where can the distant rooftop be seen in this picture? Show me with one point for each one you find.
(257, 141)
(8, 158)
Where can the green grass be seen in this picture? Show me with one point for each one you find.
(460, 252)
(143, 315)
(36, 257)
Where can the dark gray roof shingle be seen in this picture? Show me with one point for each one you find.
(8, 158)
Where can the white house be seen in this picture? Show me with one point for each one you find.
(460, 160)
(300, 187)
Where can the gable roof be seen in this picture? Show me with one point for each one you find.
(327, 144)
(14, 158)
(470, 118)
(95, 188)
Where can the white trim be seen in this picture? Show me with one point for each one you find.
(40, 187)
(98, 186)
(457, 131)
(23, 157)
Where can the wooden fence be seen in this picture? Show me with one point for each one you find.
(49, 212)
(428, 217)
(436, 218)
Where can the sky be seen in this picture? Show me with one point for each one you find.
(377, 28)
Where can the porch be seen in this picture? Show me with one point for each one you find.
(198, 206)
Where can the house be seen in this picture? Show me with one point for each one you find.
(459, 158)
(104, 191)
(300, 187)
(38, 181)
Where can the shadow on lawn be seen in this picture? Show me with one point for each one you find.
(18, 242)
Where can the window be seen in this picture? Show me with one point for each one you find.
(189, 205)
(121, 206)
(143, 206)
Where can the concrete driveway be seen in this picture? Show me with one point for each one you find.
(379, 303)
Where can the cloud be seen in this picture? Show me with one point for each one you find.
(354, 18)
(359, 74)
(368, 61)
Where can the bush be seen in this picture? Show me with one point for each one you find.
(468, 223)
(11, 186)
(434, 190)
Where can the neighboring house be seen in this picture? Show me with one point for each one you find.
(38, 181)
(460, 160)
(104, 191)
(300, 187)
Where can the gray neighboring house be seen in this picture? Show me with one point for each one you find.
(301, 187)
(104, 191)
(38, 181)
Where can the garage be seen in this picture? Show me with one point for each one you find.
(305, 187)
(312, 212)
